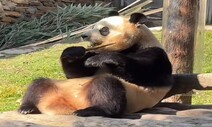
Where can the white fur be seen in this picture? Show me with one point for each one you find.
(113, 22)
(116, 23)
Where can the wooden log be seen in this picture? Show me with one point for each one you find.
(184, 83)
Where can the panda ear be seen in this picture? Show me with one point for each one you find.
(113, 13)
(138, 18)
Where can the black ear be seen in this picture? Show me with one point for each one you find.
(138, 18)
(113, 13)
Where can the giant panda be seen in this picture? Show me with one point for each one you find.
(124, 71)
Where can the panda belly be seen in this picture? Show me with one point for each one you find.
(70, 95)
(67, 97)
(139, 98)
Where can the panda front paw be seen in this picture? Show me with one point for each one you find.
(73, 53)
(104, 59)
(90, 111)
(81, 113)
(93, 62)
(98, 62)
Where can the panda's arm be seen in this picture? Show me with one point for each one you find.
(145, 65)
(73, 59)
(149, 66)
(149, 58)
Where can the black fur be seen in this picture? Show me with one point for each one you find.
(146, 67)
(141, 19)
(104, 31)
(111, 58)
(107, 96)
(149, 67)
(73, 59)
(138, 18)
(33, 95)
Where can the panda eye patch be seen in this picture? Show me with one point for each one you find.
(104, 31)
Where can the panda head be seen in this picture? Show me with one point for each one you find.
(117, 33)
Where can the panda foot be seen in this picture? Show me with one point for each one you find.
(28, 109)
(91, 111)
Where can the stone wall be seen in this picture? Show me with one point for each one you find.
(12, 10)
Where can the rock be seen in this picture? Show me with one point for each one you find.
(21, 1)
(35, 3)
(69, 1)
(7, 123)
(1, 8)
(195, 113)
(12, 118)
(8, 19)
(28, 9)
(32, 10)
(161, 110)
(9, 6)
(21, 9)
(45, 9)
(38, 120)
(48, 4)
(2, 55)
(12, 13)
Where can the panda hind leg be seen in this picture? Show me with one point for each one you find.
(107, 96)
(28, 109)
(33, 94)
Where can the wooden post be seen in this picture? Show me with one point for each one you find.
(179, 27)
(199, 38)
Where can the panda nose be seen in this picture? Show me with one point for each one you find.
(84, 36)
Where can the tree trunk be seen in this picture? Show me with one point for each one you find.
(180, 21)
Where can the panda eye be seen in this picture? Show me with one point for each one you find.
(104, 31)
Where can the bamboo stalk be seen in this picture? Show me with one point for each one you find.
(127, 7)
(136, 8)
